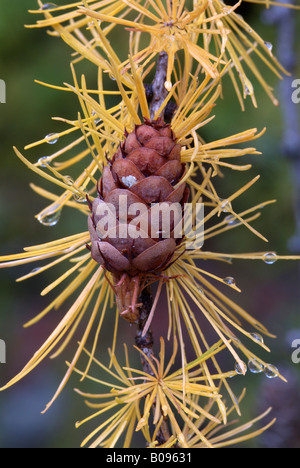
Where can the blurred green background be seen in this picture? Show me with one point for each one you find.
(269, 292)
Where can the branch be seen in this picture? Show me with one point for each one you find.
(145, 341)
(158, 85)
(145, 344)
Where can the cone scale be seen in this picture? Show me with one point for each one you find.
(145, 172)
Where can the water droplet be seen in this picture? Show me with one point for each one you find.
(229, 280)
(225, 205)
(68, 180)
(255, 366)
(48, 6)
(35, 270)
(227, 259)
(271, 371)
(97, 120)
(235, 340)
(231, 220)
(79, 198)
(44, 161)
(270, 258)
(52, 138)
(247, 91)
(240, 368)
(111, 76)
(257, 337)
(50, 217)
(168, 85)
(269, 46)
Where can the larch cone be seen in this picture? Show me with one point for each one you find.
(145, 172)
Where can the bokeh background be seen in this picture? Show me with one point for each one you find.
(269, 292)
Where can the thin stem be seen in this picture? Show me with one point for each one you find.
(144, 336)
(158, 85)
(145, 343)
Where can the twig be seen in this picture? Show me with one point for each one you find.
(158, 85)
(145, 343)
(144, 336)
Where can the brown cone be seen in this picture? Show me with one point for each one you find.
(145, 170)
